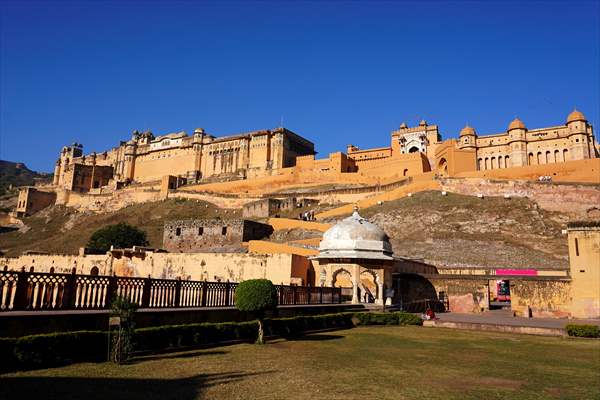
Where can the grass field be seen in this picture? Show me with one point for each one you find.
(362, 363)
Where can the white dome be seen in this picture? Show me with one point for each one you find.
(355, 237)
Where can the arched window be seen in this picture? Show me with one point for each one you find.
(531, 159)
(539, 157)
(493, 163)
(479, 164)
(94, 271)
(405, 172)
(556, 156)
(565, 155)
(548, 159)
(506, 162)
(500, 162)
(487, 163)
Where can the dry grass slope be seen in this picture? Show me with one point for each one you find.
(62, 230)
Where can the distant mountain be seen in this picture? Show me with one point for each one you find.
(17, 174)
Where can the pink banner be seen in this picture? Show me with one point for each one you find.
(522, 272)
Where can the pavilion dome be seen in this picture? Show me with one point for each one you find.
(467, 130)
(576, 115)
(516, 124)
(355, 237)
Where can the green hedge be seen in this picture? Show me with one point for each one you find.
(393, 318)
(296, 325)
(41, 351)
(7, 354)
(589, 331)
(163, 337)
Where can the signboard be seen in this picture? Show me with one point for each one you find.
(517, 272)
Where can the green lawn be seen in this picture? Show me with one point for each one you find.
(362, 363)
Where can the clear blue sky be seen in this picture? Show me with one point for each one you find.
(337, 72)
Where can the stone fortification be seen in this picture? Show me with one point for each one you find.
(214, 235)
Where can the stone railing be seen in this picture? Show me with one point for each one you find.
(39, 291)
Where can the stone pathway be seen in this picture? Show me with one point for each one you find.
(505, 318)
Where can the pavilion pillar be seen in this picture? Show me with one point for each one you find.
(355, 275)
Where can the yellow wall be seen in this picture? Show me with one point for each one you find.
(584, 260)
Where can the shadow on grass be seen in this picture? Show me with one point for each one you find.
(315, 337)
(180, 354)
(92, 388)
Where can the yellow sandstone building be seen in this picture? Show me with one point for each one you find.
(201, 157)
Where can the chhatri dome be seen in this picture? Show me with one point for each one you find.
(355, 237)
(576, 116)
(516, 124)
(467, 130)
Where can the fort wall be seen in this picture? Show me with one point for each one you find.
(234, 267)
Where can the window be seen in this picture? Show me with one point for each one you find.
(224, 230)
(576, 247)
(178, 232)
(200, 231)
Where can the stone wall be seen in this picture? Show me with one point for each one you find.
(234, 267)
(31, 200)
(571, 199)
(215, 235)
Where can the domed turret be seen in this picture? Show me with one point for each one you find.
(423, 123)
(467, 131)
(576, 116)
(516, 124)
(403, 125)
(355, 237)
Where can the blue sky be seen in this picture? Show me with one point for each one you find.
(336, 72)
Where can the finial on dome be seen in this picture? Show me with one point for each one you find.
(516, 124)
(575, 115)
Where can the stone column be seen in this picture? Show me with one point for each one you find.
(355, 275)
(380, 294)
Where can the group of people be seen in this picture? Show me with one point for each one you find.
(545, 178)
(307, 216)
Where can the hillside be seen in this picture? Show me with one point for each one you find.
(61, 230)
(466, 231)
(17, 174)
(453, 230)
(458, 230)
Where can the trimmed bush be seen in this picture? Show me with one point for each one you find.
(173, 336)
(256, 296)
(8, 359)
(393, 318)
(55, 349)
(294, 326)
(588, 331)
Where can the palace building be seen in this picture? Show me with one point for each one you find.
(195, 157)
(203, 158)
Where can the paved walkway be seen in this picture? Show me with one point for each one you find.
(506, 319)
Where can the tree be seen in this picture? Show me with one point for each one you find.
(120, 235)
(256, 296)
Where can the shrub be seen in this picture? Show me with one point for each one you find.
(293, 326)
(256, 296)
(393, 318)
(60, 348)
(588, 331)
(8, 359)
(121, 340)
(120, 235)
(170, 336)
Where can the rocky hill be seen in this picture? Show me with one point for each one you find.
(457, 230)
(58, 229)
(453, 230)
(17, 174)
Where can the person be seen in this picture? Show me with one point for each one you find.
(429, 313)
